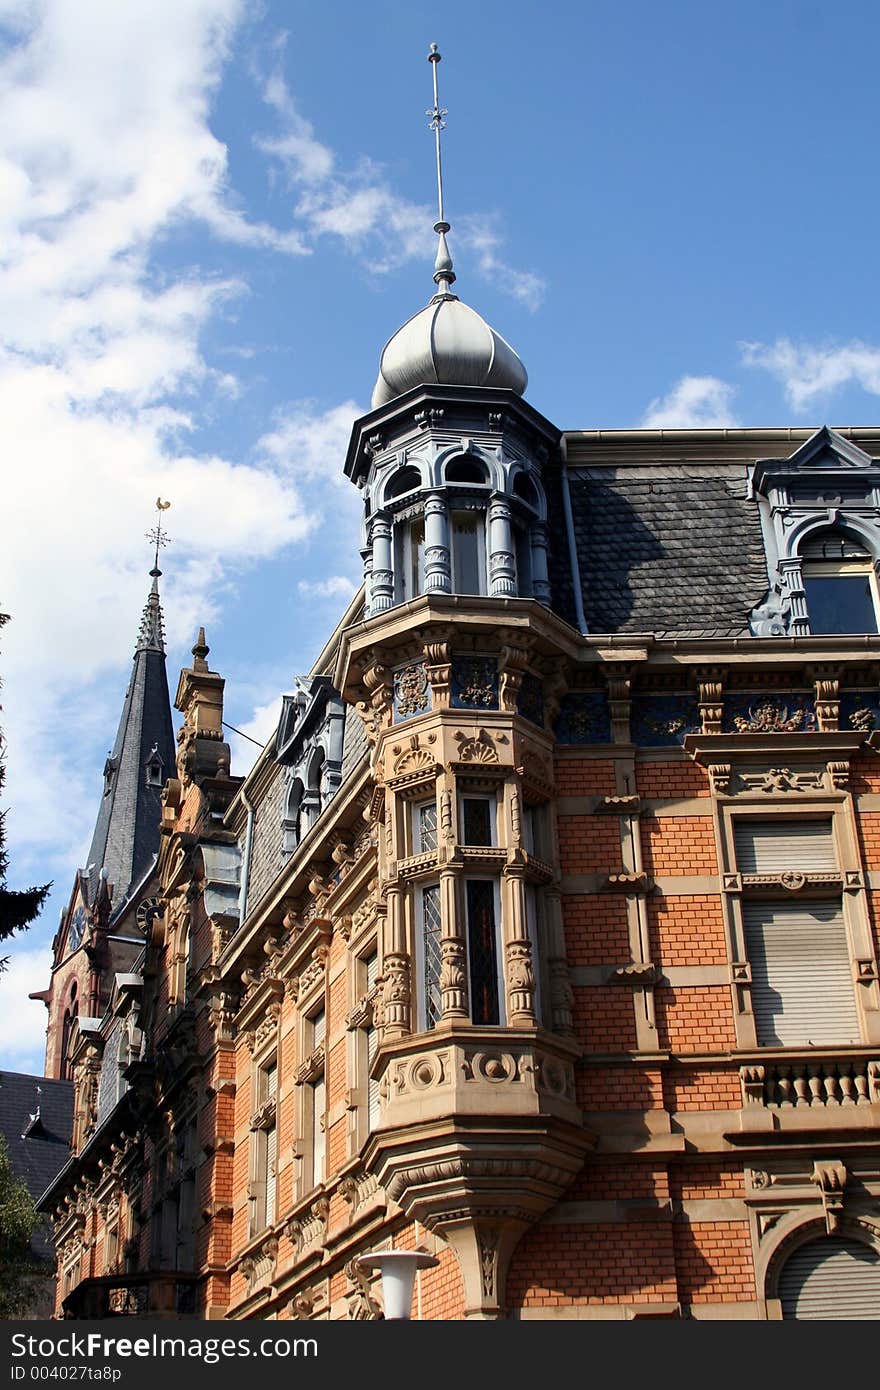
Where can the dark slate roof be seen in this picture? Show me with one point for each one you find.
(38, 1149)
(126, 835)
(672, 551)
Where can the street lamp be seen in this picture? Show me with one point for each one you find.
(398, 1271)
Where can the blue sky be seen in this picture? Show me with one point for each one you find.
(213, 214)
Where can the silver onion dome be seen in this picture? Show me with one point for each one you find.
(446, 342)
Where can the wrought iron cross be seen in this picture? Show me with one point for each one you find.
(157, 535)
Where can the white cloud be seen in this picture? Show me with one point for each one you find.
(336, 586)
(259, 728)
(695, 402)
(809, 373)
(23, 1020)
(310, 445)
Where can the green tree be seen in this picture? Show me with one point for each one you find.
(18, 1223)
(18, 908)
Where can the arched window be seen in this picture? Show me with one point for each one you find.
(291, 824)
(71, 1012)
(835, 1277)
(311, 803)
(466, 469)
(839, 582)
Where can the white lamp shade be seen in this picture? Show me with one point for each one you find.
(398, 1271)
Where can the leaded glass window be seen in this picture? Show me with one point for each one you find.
(432, 959)
(482, 950)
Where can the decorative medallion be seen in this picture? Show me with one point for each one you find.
(412, 694)
(583, 718)
(663, 719)
(860, 710)
(474, 683)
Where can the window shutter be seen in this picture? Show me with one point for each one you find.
(831, 1278)
(774, 847)
(271, 1081)
(802, 989)
(319, 1029)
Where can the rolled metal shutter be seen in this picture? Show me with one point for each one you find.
(802, 986)
(775, 847)
(271, 1165)
(831, 1278)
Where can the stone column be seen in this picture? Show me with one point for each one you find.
(438, 570)
(396, 986)
(502, 560)
(453, 951)
(540, 542)
(519, 975)
(382, 587)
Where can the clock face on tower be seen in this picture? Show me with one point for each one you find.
(77, 927)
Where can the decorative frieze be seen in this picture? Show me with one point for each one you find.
(474, 682)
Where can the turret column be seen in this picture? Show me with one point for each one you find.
(383, 569)
(437, 562)
(502, 561)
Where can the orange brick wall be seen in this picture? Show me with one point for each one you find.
(596, 930)
(584, 776)
(686, 931)
(714, 1262)
(694, 1020)
(600, 1263)
(667, 781)
(678, 845)
(589, 844)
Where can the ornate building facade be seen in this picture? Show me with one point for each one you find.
(544, 933)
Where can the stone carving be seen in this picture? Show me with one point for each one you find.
(830, 1177)
(302, 1305)
(487, 1242)
(770, 715)
(395, 992)
(362, 1307)
(479, 748)
(453, 976)
(413, 758)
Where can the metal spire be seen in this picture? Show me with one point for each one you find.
(444, 275)
(152, 633)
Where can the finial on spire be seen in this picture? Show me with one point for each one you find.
(158, 536)
(152, 633)
(200, 652)
(444, 275)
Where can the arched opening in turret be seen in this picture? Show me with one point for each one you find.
(407, 480)
(466, 469)
(525, 490)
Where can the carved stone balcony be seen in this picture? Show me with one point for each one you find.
(819, 1089)
(151, 1294)
(480, 1134)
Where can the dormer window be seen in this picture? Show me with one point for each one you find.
(154, 768)
(839, 583)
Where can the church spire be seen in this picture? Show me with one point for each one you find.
(126, 835)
